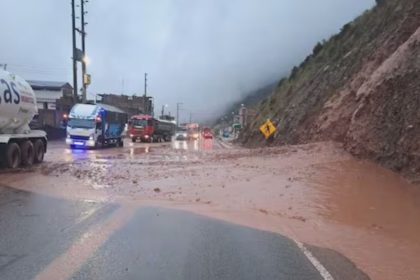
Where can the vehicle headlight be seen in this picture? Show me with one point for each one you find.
(68, 135)
(91, 137)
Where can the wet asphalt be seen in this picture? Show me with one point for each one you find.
(154, 243)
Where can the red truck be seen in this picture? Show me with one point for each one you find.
(207, 134)
(148, 129)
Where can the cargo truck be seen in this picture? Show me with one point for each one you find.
(148, 129)
(95, 126)
(19, 145)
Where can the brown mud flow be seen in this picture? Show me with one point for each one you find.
(316, 193)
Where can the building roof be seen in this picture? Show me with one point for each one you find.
(48, 85)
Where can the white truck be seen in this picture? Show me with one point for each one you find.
(95, 126)
(19, 145)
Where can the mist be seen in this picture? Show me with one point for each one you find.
(205, 54)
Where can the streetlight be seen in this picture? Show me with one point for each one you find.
(86, 59)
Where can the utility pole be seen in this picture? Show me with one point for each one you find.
(177, 112)
(148, 106)
(190, 117)
(82, 7)
(145, 99)
(145, 84)
(73, 18)
(163, 109)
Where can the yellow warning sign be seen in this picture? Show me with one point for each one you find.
(267, 129)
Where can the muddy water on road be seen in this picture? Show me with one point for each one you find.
(316, 193)
(369, 196)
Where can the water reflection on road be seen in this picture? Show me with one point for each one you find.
(59, 151)
(193, 145)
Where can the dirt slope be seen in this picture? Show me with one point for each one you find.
(361, 88)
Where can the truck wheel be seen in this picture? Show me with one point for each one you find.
(121, 142)
(118, 142)
(13, 155)
(28, 153)
(39, 151)
(100, 143)
(133, 140)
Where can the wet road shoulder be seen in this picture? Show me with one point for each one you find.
(36, 228)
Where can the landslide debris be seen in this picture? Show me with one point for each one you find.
(361, 88)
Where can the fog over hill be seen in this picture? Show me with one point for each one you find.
(205, 54)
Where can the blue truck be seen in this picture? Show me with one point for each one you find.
(95, 125)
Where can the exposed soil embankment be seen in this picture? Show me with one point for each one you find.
(361, 88)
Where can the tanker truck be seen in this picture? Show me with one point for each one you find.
(19, 145)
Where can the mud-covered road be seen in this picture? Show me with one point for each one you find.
(315, 193)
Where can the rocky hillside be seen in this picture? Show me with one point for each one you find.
(361, 88)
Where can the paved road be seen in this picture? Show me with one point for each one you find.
(48, 238)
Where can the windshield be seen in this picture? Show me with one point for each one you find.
(81, 123)
(136, 122)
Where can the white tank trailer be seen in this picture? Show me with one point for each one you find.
(19, 145)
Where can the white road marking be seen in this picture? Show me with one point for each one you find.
(317, 264)
(65, 265)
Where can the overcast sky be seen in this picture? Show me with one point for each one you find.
(204, 53)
